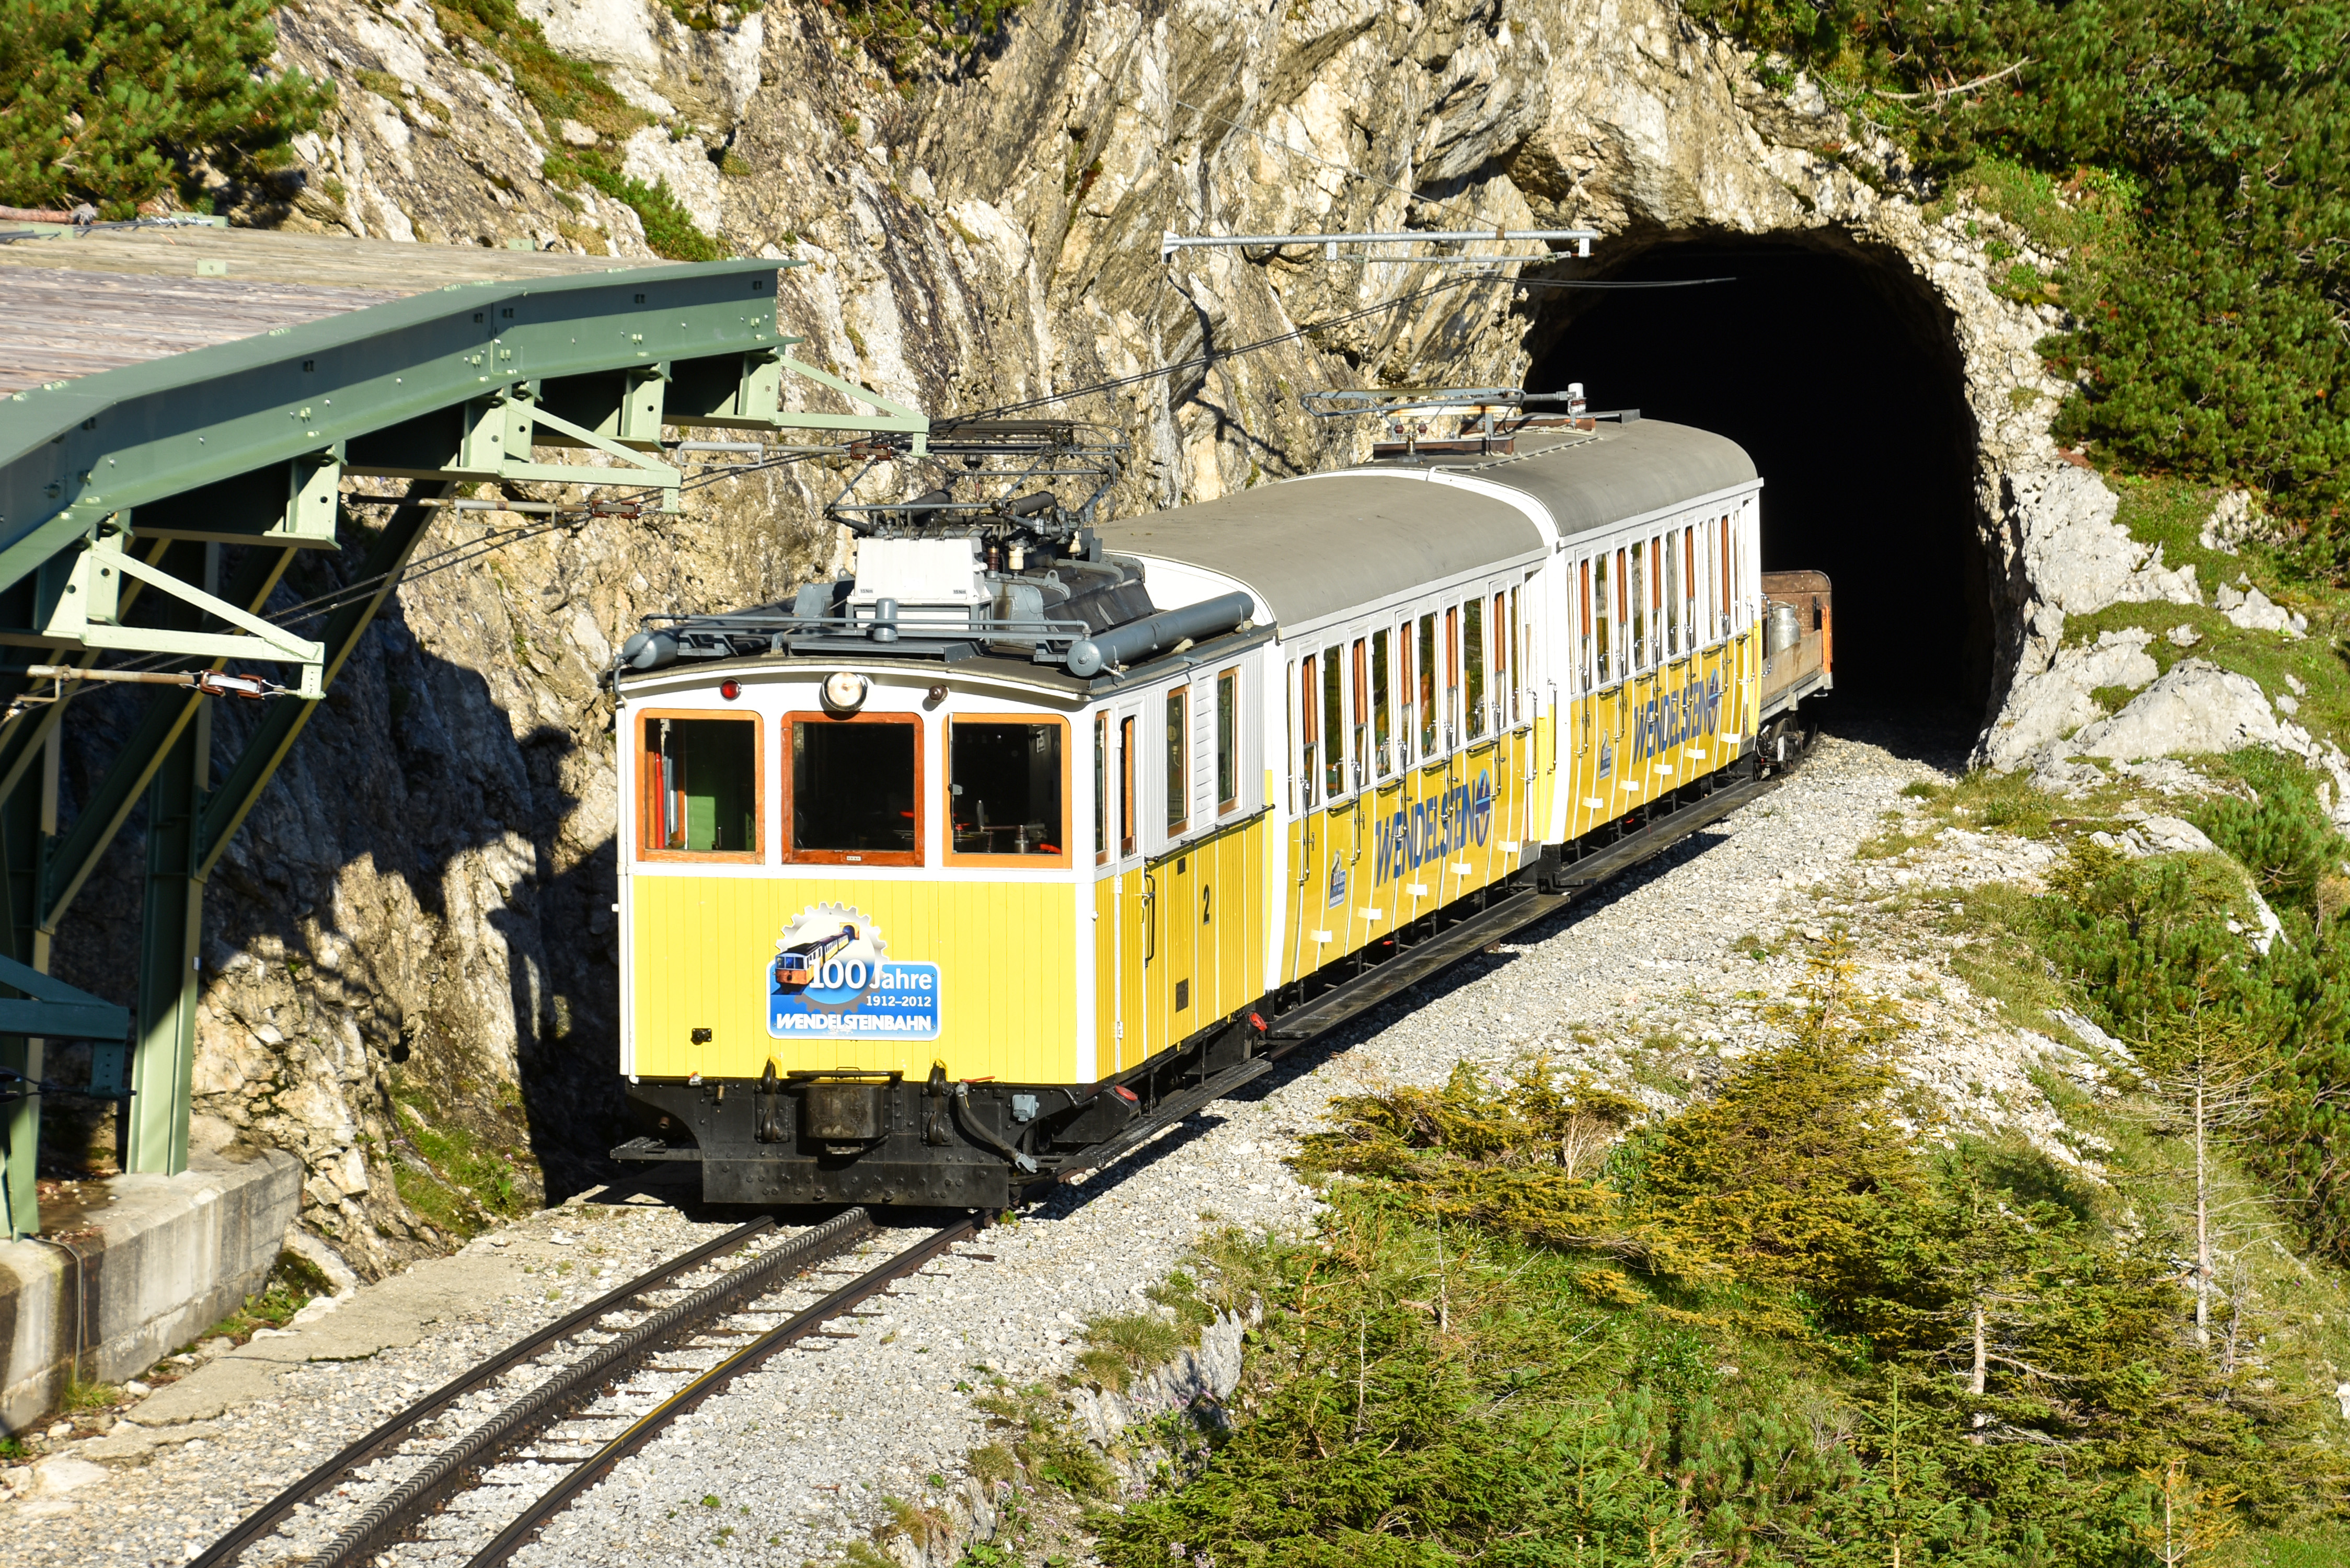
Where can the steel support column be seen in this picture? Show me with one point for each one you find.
(28, 815)
(164, 1058)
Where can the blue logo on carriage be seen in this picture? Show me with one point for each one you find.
(831, 979)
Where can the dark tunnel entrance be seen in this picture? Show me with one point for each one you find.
(1841, 381)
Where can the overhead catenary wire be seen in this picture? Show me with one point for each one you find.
(559, 517)
(1118, 383)
(1137, 378)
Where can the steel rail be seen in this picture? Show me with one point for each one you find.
(391, 1515)
(645, 1428)
(388, 1436)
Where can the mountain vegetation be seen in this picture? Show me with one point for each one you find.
(1781, 1326)
(2189, 155)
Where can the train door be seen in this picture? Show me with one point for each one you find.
(1419, 876)
(1304, 697)
(1174, 890)
(1375, 898)
(1142, 1030)
(1477, 782)
(1220, 869)
(1452, 867)
(1118, 931)
(1331, 902)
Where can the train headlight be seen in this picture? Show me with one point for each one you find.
(844, 693)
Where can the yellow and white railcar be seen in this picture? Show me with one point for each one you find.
(963, 870)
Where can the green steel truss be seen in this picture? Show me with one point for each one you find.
(122, 492)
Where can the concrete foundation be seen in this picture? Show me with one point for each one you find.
(160, 1259)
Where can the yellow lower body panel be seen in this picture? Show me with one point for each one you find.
(977, 973)
(1178, 945)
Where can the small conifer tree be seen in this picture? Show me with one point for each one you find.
(105, 102)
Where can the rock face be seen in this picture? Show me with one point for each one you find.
(2059, 702)
(413, 966)
(2196, 709)
(2078, 559)
(2255, 611)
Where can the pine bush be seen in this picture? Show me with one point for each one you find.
(106, 101)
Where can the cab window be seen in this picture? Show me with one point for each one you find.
(1178, 761)
(853, 789)
(1452, 678)
(1101, 787)
(1334, 722)
(1006, 790)
(700, 788)
(1640, 623)
(1308, 754)
(1595, 633)
(1668, 584)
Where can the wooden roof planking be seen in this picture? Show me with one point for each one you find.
(80, 301)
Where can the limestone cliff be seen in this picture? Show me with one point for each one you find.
(423, 900)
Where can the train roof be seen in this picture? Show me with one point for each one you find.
(1306, 549)
(1319, 545)
(1312, 547)
(1630, 471)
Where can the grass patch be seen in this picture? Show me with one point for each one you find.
(1896, 838)
(460, 1180)
(1031, 1426)
(292, 1285)
(81, 1396)
(561, 88)
(1993, 929)
(2170, 513)
(1985, 800)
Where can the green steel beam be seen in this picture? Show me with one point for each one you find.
(53, 1008)
(387, 387)
(226, 809)
(74, 857)
(246, 443)
(154, 1126)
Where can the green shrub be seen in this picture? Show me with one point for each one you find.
(670, 229)
(2282, 834)
(902, 33)
(1773, 1375)
(2149, 945)
(104, 100)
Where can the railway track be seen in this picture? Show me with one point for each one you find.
(571, 1400)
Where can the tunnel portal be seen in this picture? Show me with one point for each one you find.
(1841, 378)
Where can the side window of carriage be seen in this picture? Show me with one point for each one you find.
(1007, 790)
(1474, 653)
(853, 789)
(1228, 741)
(700, 788)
